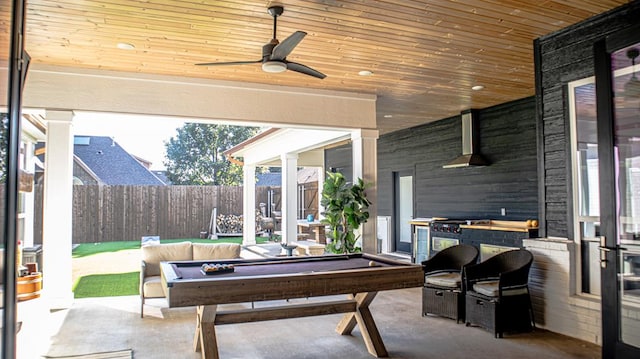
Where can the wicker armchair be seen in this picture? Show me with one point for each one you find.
(443, 292)
(497, 296)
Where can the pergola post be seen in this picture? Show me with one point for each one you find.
(249, 205)
(57, 211)
(365, 165)
(289, 197)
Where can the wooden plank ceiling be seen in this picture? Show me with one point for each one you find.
(425, 55)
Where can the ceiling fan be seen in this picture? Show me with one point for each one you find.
(274, 53)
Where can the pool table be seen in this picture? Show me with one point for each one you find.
(359, 276)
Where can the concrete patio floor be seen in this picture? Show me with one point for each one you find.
(114, 323)
(93, 325)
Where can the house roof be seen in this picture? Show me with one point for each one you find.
(111, 163)
(268, 179)
(266, 148)
(274, 179)
(162, 175)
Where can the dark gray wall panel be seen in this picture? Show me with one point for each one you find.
(507, 140)
(565, 56)
(339, 159)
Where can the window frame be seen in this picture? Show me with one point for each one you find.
(578, 218)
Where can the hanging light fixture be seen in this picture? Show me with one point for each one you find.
(632, 87)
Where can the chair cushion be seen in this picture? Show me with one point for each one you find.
(206, 251)
(156, 253)
(152, 287)
(490, 288)
(449, 280)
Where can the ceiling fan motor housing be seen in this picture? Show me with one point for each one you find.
(275, 11)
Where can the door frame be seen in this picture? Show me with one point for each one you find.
(396, 211)
(612, 345)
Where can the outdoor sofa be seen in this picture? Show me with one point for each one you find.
(152, 255)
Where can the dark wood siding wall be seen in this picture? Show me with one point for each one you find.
(566, 56)
(507, 140)
(339, 159)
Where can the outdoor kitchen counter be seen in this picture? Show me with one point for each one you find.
(508, 226)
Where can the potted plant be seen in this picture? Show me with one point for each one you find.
(345, 209)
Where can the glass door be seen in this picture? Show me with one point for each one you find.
(618, 111)
(403, 210)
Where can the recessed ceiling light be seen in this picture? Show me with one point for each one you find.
(365, 73)
(388, 116)
(125, 46)
(477, 88)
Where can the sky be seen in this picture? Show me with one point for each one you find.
(143, 136)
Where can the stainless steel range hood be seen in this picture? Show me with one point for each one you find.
(470, 143)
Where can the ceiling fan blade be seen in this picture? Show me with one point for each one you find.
(229, 63)
(293, 66)
(287, 45)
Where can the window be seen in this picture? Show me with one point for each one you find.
(586, 199)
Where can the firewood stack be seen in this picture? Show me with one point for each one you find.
(231, 223)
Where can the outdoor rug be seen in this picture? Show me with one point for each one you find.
(121, 354)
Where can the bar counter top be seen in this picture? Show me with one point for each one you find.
(495, 225)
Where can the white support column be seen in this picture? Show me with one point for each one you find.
(57, 210)
(289, 197)
(365, 166)
(28, 197)
(320, 186)
(249, 205)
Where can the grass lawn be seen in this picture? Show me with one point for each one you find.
(112, 269)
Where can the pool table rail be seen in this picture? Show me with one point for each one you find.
(225, 290)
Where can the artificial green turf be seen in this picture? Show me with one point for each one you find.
(107, 285)
(119, 284)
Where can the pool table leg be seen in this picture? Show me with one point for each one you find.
(362, 316)
(205, 337)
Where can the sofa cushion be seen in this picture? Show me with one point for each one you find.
(206, 251)
(152, 287)
(449, 280)
(156, 253)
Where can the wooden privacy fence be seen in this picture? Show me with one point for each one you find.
(127, 213)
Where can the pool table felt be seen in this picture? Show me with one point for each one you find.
(190, 271)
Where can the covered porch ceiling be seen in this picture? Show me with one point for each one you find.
(266, 148)
(423, 57)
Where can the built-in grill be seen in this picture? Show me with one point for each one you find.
(445, 233)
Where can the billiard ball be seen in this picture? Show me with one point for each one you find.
(372, 264)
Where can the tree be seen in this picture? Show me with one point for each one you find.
(195, 155)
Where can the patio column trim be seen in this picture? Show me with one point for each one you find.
(249, 205)
(28, 197)
(289, 197)
(365, 166)
(320, 186)
(57, 211)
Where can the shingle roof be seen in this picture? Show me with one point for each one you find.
(305, 175)
(162, 175)
(111, 163)
(268, 179)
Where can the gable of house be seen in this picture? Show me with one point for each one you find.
(110, 163)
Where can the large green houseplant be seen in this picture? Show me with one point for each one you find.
(345, 209)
